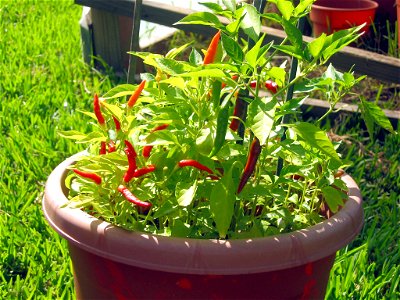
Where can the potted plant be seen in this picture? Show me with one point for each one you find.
(205, 182)
(329, 16)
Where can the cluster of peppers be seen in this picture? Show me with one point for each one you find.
(131, 154)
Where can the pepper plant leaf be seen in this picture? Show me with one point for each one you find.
(373, 114)
(260, 118)
(286, 8)
(185, 193)
(120, 91)
(72, 134)
(202, 18)
(232, 48)
(230, 4)
(293, 33)
(333, 197)
(316, 138)
(222, 200)
(251, 23)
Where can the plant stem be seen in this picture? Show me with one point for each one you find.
(289, 96)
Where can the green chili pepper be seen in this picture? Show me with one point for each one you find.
(222, 128)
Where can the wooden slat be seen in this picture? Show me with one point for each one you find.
(106, 37)
(365, 62)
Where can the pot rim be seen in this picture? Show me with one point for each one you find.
(326, 5)
(200, 256)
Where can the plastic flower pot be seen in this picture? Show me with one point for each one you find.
(328, 16)
(112, 263)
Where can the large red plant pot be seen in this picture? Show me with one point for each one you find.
(328, 16)
(112, 263)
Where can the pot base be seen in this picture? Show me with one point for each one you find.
(100, 278)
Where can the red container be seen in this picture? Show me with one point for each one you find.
(112, 263)
(333, 15)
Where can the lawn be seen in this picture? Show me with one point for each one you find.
(44, 82)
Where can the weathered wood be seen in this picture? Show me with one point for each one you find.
(365, 62)
(106, 37)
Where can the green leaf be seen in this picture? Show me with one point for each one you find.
(278, 74)
(230, 4)
(373, 114)
(273, 17)
(185, 193)
(333, 197)
(166, 208)
(176, 51)
(115, 110)
(302, 7)
(172, 67)
(252, 55)
(315, 47)
(332, 73)
(291, 50)
(195, 57)
(251, 23)
(212, 6)
(178, 82)
(316, 138)
(232, 48)
(286, 8)
(336, 41)
(72, 134)
(80, 201)
(260, 118)
(222, 201)
(92, 137)
(293, 33)
(119, 91)
(201, 18)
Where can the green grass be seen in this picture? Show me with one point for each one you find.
(44, 81)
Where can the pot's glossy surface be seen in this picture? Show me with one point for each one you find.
(111, 262)
(329, 16)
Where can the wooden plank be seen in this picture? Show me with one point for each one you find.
(106, 38)
(365, 62)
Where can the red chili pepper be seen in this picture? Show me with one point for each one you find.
(237, 112)
(144, 171)
(88, 175)
(102, 148)
(111, 146)
(253, 84)
(132, 198)
(212, 49)
(195, 164)
(117, 124)
(271, 86)
(97, 110)
(131, 155)
(135, 96)
(254, 153)
(147, 149)
(130, 147)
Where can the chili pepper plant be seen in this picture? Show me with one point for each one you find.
(214, 146)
